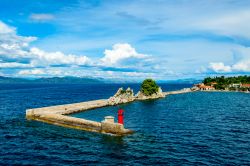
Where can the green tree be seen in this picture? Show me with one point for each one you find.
(149, 87)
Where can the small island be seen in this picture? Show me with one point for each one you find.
(239, 84)
(149, 90)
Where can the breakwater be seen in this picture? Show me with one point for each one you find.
(185, 90)
(57, 115)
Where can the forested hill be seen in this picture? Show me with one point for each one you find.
(227, 80)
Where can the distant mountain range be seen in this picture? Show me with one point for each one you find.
(181, 81)
(52, 80)
(79, 80)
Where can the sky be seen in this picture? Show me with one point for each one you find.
(124, 40)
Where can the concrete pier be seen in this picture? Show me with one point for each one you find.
(185, 90)
(57, 115)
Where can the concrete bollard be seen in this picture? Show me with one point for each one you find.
(109, 119)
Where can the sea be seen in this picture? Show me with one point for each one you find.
(198, 128)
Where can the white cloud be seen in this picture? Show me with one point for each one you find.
(56, 58)
(14, 65)
(5, 29)
(13, 46)
(17, 55)
(239, 63)
(46, 72)
(219, 67)
(41, 17)
(15, 49)
(31, 72)
(243, 66)
(120, 52)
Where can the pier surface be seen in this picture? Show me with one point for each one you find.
(185, 90)
(57, 115)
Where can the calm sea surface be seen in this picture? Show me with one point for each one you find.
(187, 129)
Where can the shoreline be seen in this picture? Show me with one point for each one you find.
(223, 91)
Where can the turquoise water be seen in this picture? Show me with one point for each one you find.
(197, 128)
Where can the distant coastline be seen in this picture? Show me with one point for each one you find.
(52, 80)
(225, 84)
(84, 80)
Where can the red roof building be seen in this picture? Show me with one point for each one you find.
(245, 85)
(205, 87)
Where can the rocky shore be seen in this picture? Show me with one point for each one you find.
(125, 96)
(121, 97)
(141, 96)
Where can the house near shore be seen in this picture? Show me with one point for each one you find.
(246, 86)
(234, 85)
(203, 87)
(240, 86)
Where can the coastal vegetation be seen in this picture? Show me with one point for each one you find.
(228, 83)
(149, 87)
(127, 91)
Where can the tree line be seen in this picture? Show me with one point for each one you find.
(223, 82)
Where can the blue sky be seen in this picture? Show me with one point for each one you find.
(161, 39)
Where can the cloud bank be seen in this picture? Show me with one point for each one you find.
(220, 67)
(16, 54)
